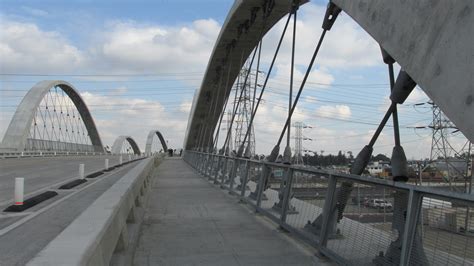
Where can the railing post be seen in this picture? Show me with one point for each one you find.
(328, 203)
(205, 165)
(216, 174)
(233, 173)
(209, 163)
(194, 159)
(202, 163)
(199, 162)
(226, 162)
(411, 222)
(243, 184)
(286, 195)
(261, 183)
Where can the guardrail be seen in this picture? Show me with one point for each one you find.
(26, 154)
(104, 227)
(48, 154)
(354, 220)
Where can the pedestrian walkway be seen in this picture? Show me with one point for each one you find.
(189, 221)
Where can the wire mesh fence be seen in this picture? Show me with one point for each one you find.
(354, 220)
(445, 232)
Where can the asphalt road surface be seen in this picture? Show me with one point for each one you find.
(46, 172)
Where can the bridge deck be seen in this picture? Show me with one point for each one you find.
(190, 222)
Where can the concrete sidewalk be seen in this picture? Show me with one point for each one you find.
(188, 221)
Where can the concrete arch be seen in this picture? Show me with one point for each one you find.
(431, 40)
(232, 34)
(118, 144)
(149, 141)
(17, 133)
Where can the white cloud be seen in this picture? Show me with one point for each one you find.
(334, 111)
(281, 80)
(120, 90)
(122, 47)
(185, 107)
(346, 45)
(35, 12)
(152, 48)
(26, 48)
(311, 99)
(135, 117)
(133, 47)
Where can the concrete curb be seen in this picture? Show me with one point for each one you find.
(101, 229)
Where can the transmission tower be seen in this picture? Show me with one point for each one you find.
(244, 110)
(453, 162)
(299, 137)
(298, 142)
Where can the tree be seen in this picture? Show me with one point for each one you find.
(380, 157)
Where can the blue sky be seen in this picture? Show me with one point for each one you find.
(170, 42)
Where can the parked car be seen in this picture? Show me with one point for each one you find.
(379, 204)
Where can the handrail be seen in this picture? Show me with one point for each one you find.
(413, 206)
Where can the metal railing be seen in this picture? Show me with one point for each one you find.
(50, 145)
(381, 222)
(39, 153)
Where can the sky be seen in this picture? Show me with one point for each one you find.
(137, 65)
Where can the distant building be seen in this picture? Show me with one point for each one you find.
(453, 165)
(380, 168)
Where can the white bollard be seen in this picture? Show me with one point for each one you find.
(54, 153)
(41, 153)
(106, 164)
(81, 171)
(120, 159)
(22, 154)
(19, 190)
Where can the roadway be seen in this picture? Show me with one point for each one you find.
(42, 173)
(32, 229)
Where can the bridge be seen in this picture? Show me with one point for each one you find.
(67, 199)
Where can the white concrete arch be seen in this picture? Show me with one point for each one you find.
(149, 141)
(118, 144)
(15, 138)
(431, 40)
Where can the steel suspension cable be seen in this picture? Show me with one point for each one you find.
(209, 139)
(216, 138)
(240, 98)
(265, 83)
(234, 109)
(254, 96)
(396, 129)
(256, 75)
(290, 98)
(308, 71)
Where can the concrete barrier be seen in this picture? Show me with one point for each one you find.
(101, 229)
